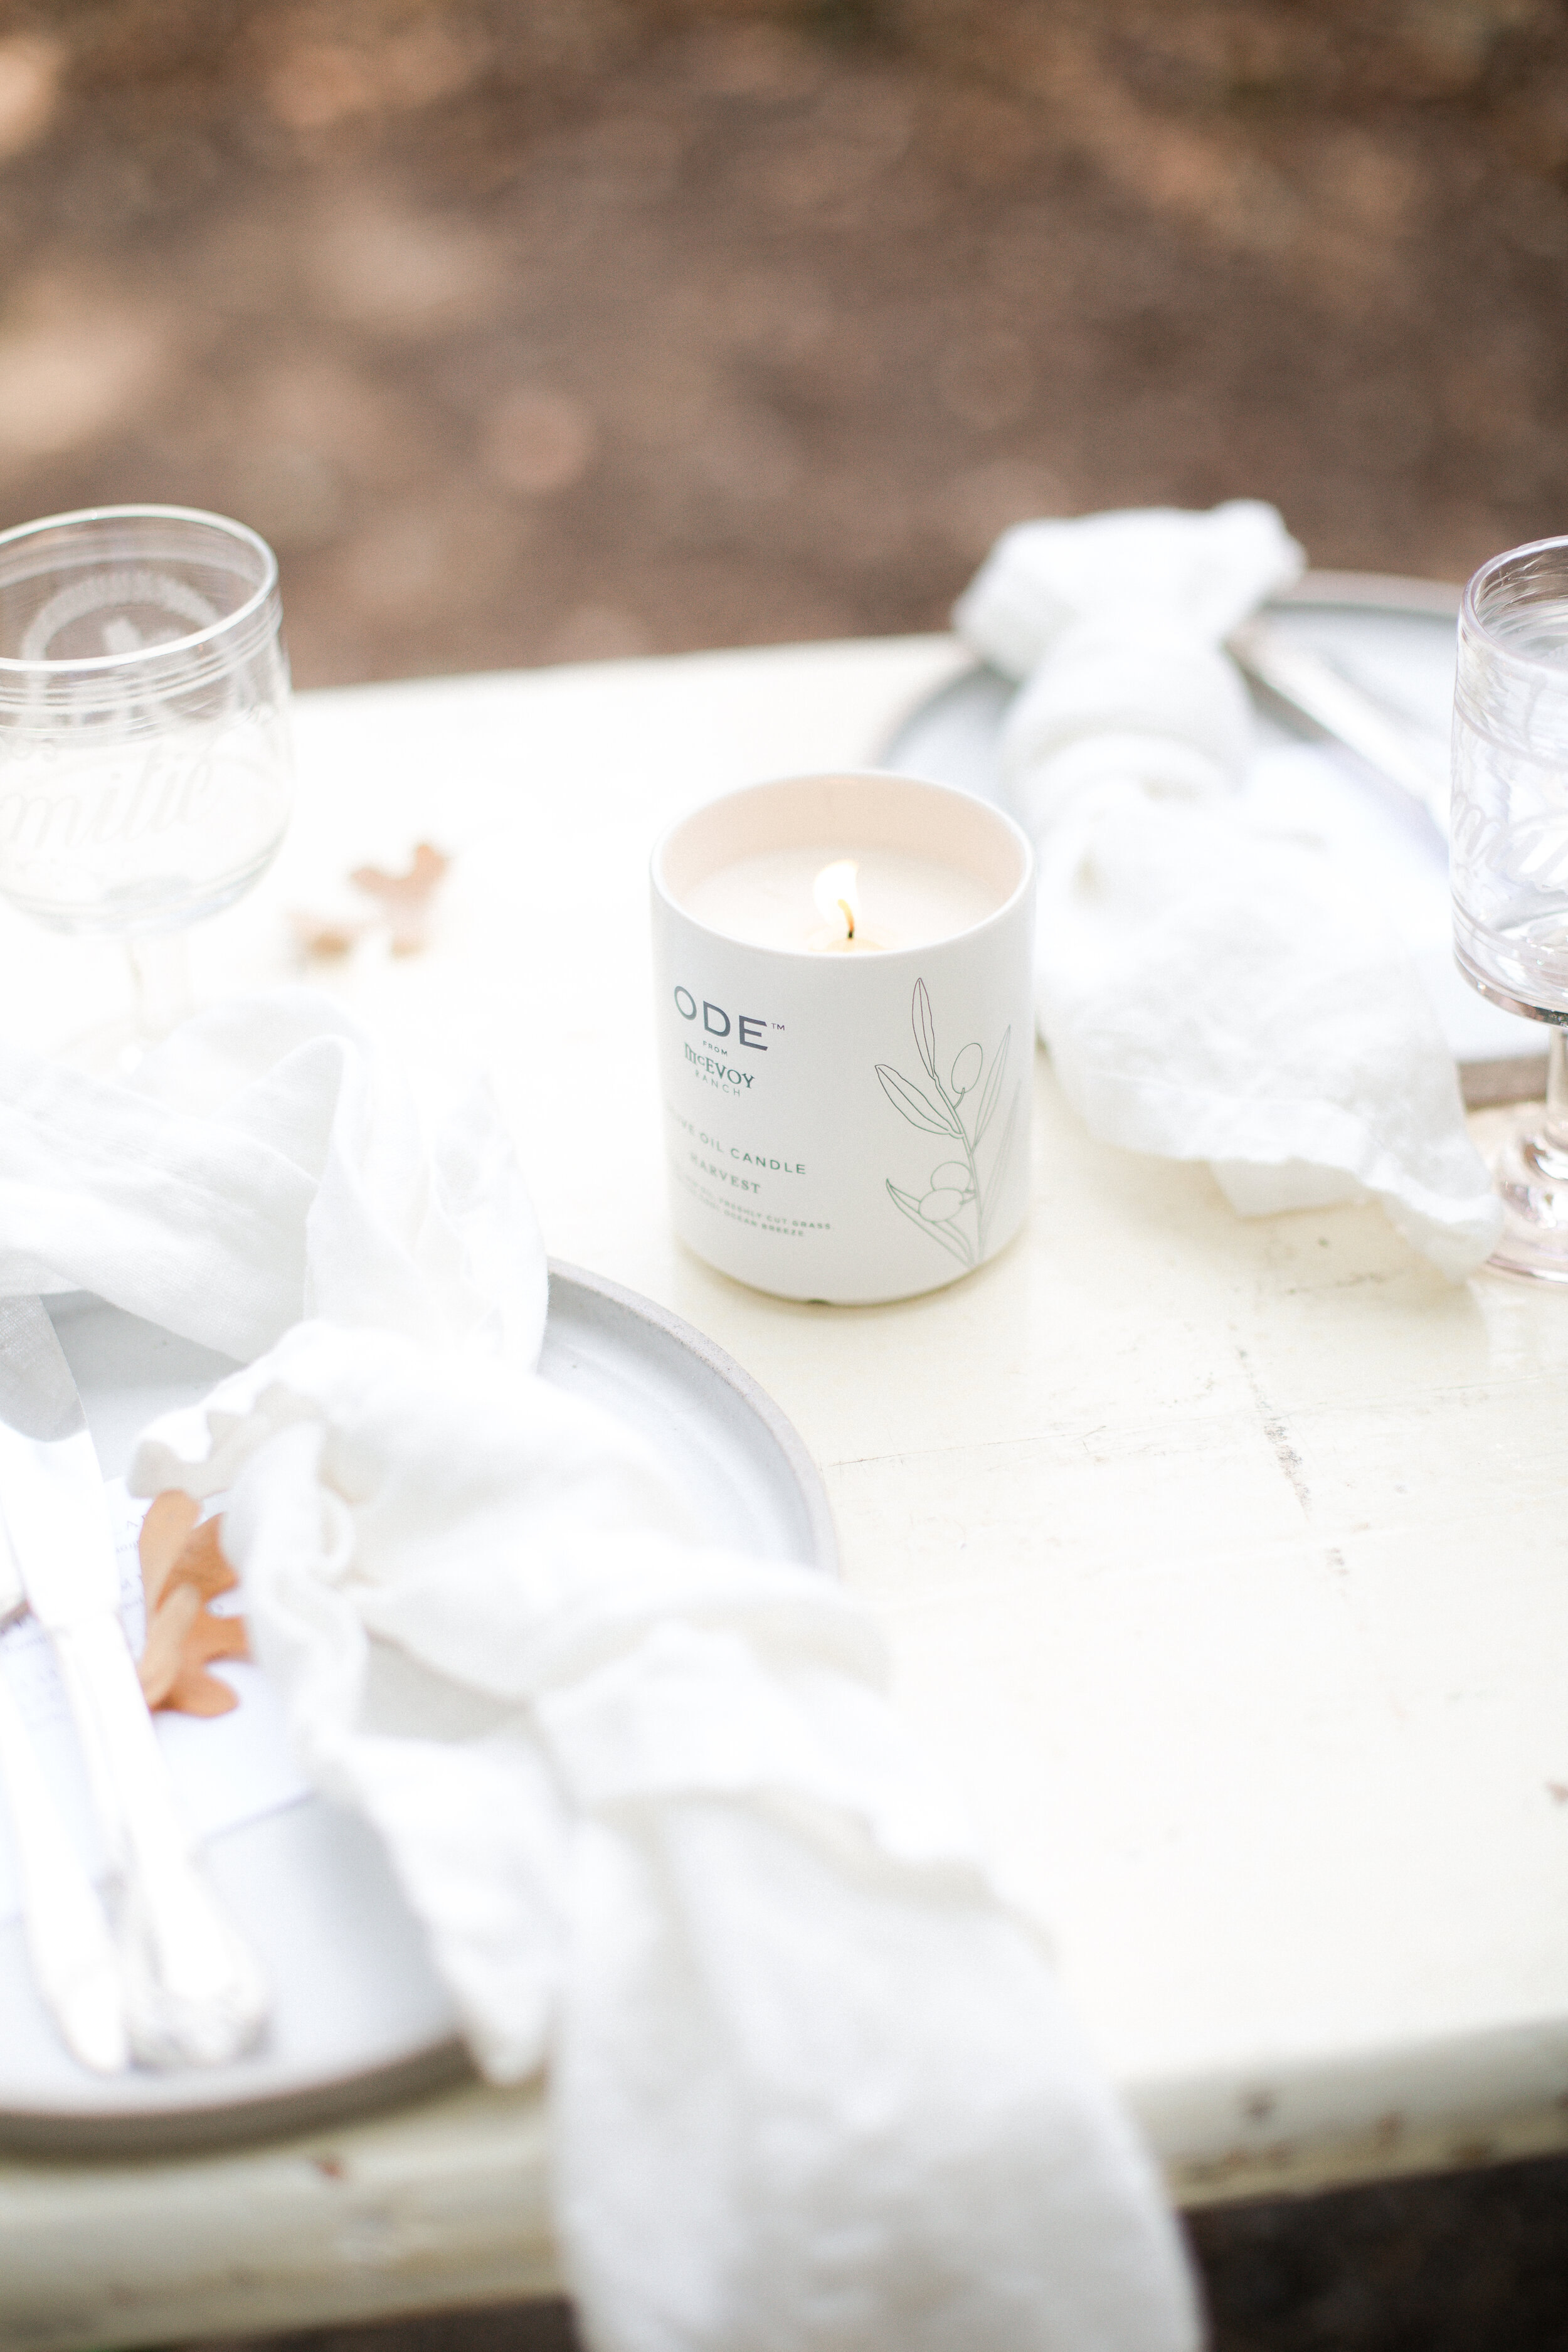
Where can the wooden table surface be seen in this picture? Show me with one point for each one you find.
(1221, 1562)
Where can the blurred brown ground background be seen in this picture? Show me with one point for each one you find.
(540, 328)
(543, 330)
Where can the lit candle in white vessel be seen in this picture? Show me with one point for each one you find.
(845, 1029)
(825, 901)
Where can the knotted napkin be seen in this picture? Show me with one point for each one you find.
(1210, 983)
(811, 2084)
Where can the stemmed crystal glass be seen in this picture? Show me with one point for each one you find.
(1509, 862)
(146, 770)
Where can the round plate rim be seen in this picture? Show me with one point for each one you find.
(195, 2126)
(1383, 592)
(780, 1428)
(1325, 592)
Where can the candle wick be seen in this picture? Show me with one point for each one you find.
(849, 915)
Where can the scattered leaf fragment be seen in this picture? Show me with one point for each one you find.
(164, 1652)
(165, 1533)
(406, 900)
(202, 1561)
(402, 902)
(184, 1568)
(325, 935)
(428, 867)
(195, 1692)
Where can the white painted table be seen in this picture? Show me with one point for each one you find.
(1223, 1562)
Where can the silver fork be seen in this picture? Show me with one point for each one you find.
(70, 1946)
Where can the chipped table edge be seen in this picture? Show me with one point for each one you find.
(1492, 2097)
(446, 2204)
(435, 2207)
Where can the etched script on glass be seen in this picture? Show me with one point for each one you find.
(956, 1207)
(1528, 855)
(105, 826)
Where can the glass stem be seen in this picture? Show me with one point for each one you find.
(1551, 1146)
(160, 983)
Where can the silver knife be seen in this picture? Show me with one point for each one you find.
(193, 1993)
(1314, 690)
(69, 1948)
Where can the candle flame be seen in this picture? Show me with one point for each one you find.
(836, 896)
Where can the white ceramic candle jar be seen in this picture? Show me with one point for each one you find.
(842, 970)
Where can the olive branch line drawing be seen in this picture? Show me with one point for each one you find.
(955, 1200)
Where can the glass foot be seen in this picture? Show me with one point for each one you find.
(1526, 1148)
(1533, 1184)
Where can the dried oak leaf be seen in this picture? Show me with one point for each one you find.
(406, 900)
(184, 1568)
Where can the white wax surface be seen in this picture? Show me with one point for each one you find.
(904, 900)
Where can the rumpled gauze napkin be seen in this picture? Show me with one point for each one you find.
(266, 1164)
(1210, 988)
(812, 2085)
(1206, 570)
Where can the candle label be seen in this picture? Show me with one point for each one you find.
(960, 1102)
(843, 1130)
(847, 1121)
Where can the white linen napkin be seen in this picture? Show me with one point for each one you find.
(264, 1164)
(1211, 986)
(811, 2084)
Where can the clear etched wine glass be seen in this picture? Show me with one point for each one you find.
(1508, 862)
(146, 766)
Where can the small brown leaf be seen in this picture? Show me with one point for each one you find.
(406, 900)
(169, 1520)
(418, 886)
(195, 1692)
(212, 1637)
(163, 1652)
(325, 935)
(202, 1562)
(184, 1568)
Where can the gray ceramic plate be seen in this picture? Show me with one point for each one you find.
(1394, 638)
(360, 2019)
